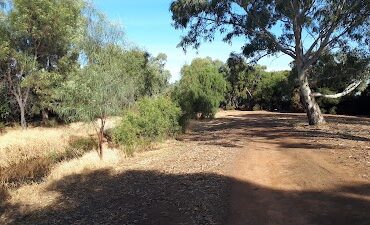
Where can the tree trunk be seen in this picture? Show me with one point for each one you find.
(101, 137)
(23, 116)
(313, 111)
(45, 116)
(101, 144)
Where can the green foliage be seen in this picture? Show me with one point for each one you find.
(258, 20)
(253, 88)
(328, 105)
(335, 71)
(273, 91)
(272, 27)
(98, 90)
(38, 49)
(241, 79)
(256, 107)
(148, 72)
(201, 89)
(5, 105)
(77, 147)
(151, 119)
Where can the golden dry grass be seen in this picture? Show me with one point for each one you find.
(17, 144)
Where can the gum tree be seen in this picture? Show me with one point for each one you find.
(97, 91)
(301, 29)
(42, 34)
(102, 87)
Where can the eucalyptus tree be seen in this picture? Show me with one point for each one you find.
(201, 88)
(97, 91)
(301, 29)
(347, 65)
(155, 77)
(242, 79)
(45, 33)
(103, 86)
(16, 74)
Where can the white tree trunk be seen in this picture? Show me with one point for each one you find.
(313, 111)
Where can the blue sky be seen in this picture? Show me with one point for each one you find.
(147, 24)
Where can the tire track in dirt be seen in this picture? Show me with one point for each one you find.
(301, 186)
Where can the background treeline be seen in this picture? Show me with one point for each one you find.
(47, 47)
(253, 88)
(62, 60)
(205, 85)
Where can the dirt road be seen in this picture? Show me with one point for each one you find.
(284, 175)
(288, 173)
(243, 168)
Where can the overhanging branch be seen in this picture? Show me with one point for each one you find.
(348, 90)
(281, 48)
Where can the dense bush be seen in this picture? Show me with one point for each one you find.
(149, 120)
(328, 105)
(201, 88)
(355, 104)
(5, 104)
(273, 91)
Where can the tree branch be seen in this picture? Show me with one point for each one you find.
(348, 90)
(287, 51)
(325, 37)
(229, 22)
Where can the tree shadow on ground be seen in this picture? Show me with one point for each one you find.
(155, 198)
(232, 131)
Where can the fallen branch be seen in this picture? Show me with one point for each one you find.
(348, 90)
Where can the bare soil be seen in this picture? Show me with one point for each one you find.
(241, 168)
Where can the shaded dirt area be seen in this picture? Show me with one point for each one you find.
(241, 168)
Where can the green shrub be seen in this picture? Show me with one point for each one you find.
(150, 120)
(256, 107)
(328, 105)
(83, 143)
(201, 89)
(77, 147)
(333, 110)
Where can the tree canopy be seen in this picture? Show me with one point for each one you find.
(301, 29)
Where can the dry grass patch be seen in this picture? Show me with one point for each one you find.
(29, 155)
(17, 145)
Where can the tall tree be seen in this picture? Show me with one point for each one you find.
(16, 73)
(46, 32)
(97, 91)
(103, 87)
(301, 29)
(242, 79)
